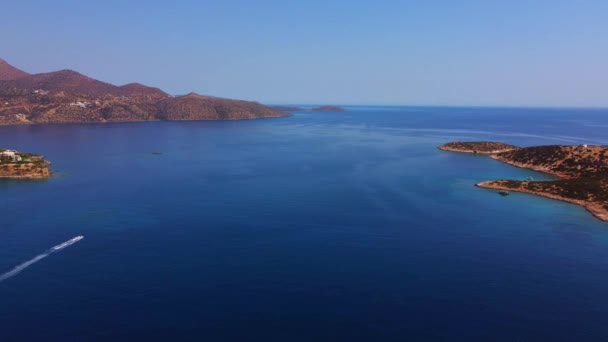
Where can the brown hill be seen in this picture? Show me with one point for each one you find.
(68, 81)
(140, 90)
(562, 161)
(9, 72)
(68, 96)
(199, 107)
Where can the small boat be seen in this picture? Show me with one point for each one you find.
(67, 243)
(503, 193)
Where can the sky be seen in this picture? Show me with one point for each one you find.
(550, 53)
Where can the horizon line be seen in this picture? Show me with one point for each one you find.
(603, 107)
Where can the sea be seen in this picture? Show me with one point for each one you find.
(345, 226)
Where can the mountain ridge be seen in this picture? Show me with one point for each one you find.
(67, 96)
(9, 72)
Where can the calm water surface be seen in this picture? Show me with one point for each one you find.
(322, 226)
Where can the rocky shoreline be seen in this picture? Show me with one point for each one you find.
(480, 147)
(595, 209)
(582, 171)
(19, 165)
(529, 166)
(25, 171)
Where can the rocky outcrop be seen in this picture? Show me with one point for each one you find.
(20, 165)
(483, 147)
(25, 171)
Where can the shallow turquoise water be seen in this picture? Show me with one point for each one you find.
(321, 226)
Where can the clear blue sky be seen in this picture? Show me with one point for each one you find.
(466, 52)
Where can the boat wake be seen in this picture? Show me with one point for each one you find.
(66, 244)
(29, 263)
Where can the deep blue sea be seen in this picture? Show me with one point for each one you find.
(317, 227)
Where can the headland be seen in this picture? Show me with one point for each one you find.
(582, 169)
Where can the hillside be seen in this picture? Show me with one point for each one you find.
(9, 72)
(199, 107)
(67, 96)
(591, 193)
(562, 161)
(68, 81)
(140, 90)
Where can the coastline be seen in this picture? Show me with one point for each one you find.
(451, 149)
(25, 171)
(595, 209)
(580, 171)
(533, 167)
(34, 123)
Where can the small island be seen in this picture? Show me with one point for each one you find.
(582, 169)
(22, 165)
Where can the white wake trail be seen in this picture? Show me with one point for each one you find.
(29, 263)
(66, 244)
(21, 267)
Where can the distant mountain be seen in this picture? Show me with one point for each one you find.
(68, 81)
(9, 72)
(68, 96)
(137, 89)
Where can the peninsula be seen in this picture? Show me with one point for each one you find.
(22, 165)
(483, 147)
(67, 96)
(582, 169)
(328, 109)
(315, 109)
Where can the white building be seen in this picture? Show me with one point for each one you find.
(10, 155)
(80, 104)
